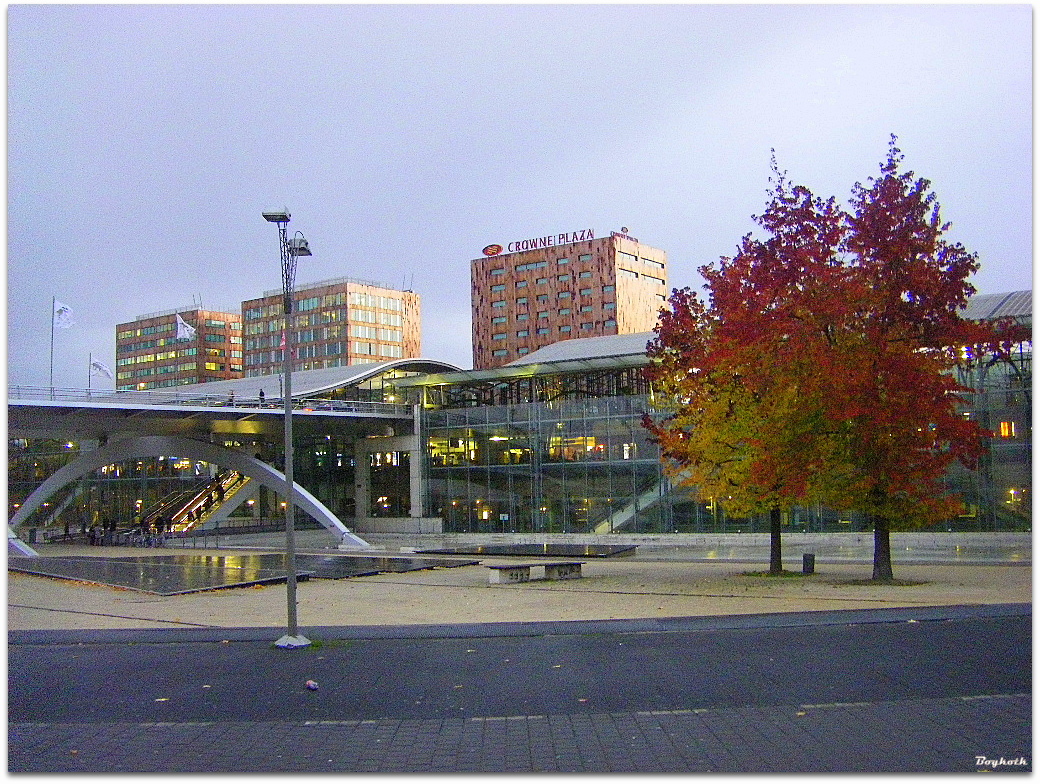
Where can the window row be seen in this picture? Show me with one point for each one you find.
(544, 314)
(523, 302)
(540, 264)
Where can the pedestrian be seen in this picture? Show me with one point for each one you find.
(261, 398)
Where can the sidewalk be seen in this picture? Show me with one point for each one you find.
(663, 582)
(668, 662)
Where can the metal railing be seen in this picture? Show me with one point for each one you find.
(151, 397)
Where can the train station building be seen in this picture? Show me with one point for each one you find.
(548, 443)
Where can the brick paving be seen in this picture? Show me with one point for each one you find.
(907, 736)
(855, 692)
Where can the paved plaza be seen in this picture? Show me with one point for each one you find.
(676, 663)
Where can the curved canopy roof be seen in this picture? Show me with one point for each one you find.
(1014, 304)
(312, 383)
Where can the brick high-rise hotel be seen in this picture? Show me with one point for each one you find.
(538, 291)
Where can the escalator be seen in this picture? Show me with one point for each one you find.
(190, 509)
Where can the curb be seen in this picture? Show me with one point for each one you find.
(523, 629)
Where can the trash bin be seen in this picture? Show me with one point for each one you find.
(808, 563)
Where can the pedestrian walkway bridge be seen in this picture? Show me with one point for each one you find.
(236, 424)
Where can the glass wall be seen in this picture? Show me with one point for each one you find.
(588, 466)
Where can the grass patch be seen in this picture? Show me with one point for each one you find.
(871, 581)
(785, 573)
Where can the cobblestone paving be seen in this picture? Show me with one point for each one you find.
(961, 734)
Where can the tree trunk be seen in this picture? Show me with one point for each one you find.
(882, 550)
(776, 566)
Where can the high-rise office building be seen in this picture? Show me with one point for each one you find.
(337, 323)
(534, 292)
(186, 345)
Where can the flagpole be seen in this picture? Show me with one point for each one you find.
(53, 301)
(90, 367)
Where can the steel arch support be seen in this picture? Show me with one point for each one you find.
(154, 446)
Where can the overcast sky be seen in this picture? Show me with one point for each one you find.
(144, 141)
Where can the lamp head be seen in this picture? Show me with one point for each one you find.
(277, 216)
(298, 247)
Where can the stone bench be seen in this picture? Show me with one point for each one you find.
(521, 573)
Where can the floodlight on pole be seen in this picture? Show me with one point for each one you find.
(290, 249)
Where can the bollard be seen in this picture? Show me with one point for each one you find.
(808, 563)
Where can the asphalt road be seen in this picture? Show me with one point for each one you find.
(731, 675)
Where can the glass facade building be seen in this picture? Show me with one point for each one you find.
(555, 445)
(183, 346)
(336, 323)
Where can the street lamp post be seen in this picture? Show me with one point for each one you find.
(291, 248)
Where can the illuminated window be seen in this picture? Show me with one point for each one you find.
(1007, 429)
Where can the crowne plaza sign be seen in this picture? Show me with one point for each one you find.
(547, 241)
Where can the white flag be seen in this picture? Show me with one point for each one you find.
(184, 330)
(99, 368)
(62, 315)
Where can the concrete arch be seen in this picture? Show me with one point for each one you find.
(154, 446)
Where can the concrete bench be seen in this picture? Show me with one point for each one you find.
(521, 573)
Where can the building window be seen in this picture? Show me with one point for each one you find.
(500, 352)
(543, 330)
(542, 298)
(610, 323)
(565, 311)
(563, 278)
(608, 306)
(522, 317)
(586, 292)
(564, 295)
(499, 287)
(586, 308)
(585, 257)
(499, 304)
(499, 320)
(541, 281)
(587, 325)
(563, 261)
(543, 314)
(585, 274)
(565, 328)
(1007, 429)
(499, 336)
(521, 300)
(608, 288)
(500, 271)
(521, 284)
(522, 350)
(522, 333)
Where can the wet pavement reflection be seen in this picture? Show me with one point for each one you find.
(168, 575)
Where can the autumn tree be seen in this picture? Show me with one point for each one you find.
(897, 401)
(744, 422)
(822, 366)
